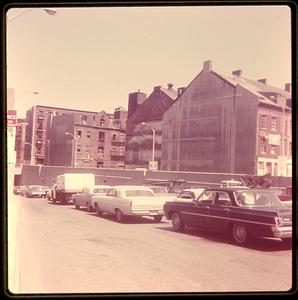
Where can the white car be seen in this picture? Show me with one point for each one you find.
(84, 198)
(189, 195)
(130, 200)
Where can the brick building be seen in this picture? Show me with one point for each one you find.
(139, 137)
(47, 125)
(229, 124)
(96, 140)
(20, 140)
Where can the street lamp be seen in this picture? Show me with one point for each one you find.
(49, 11)
(75, 147)
(153, 139)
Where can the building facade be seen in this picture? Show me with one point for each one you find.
(145, 122)
(46, 126)
(228, 124)
(20, 140)
(93, 140)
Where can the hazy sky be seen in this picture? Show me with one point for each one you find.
(92, 58)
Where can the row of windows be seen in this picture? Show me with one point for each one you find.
(101, 135)
(274, 149)
(274, 123)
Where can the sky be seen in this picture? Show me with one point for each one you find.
(91, 58)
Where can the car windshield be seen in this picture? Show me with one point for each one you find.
(257, 198)
(100, 190)
(139, 193)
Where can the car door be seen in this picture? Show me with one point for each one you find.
(107, 203)
(219, 211)
(200, 211)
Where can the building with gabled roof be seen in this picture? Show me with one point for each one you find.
(228, 124)
(139, 136)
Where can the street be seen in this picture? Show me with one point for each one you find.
(56, 248)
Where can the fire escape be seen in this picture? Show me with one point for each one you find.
(40, 141)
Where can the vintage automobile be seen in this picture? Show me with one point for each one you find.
(287, 194)
(84, 198)
(18, 189)
(189, 195)
(130, 200)
(36, 191)
(242, 213)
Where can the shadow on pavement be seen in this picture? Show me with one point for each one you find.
(128, 220)
(260, 244)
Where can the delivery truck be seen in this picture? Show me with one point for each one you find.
(65, 185)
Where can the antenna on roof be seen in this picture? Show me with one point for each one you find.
(170, 85)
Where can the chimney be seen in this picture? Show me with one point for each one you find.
(180, 91)
(264, 81)
(288, 87)
(207, 65)
(237, 73)
(170, 85)
(134, 101)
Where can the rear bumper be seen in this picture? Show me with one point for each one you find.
(282, 232)
(141, 212)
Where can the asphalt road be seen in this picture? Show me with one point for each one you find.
(55, 248)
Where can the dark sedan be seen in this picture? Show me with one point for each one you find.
(240, 212)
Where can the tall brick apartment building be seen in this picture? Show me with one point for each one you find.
(94, 139)
(229, 124)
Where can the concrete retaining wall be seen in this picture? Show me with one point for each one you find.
(43, 175)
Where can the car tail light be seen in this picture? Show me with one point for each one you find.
(278, 221)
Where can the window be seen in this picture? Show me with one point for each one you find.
(186, 195)
(102, 122)
(101, 136)
(207, 197)
(273, 123)
(84, 120)
(112, 192)
(223, 199)
(79, 134)
(88, 134)
(114, 136)
(263, 121)
(261, 169)
(262, 145)
(273, 150)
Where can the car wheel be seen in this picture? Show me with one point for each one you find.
(239, 233)
(90, 208)
(119, 215)
(98, 211)
(177, 222)
(157, 218)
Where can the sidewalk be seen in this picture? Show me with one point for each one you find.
(13, 213)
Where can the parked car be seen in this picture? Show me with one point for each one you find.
(133, 200)
(18, 189)
(84, 198)
(286, 194)
(189, 195)
(36, 191)
(240, 212)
